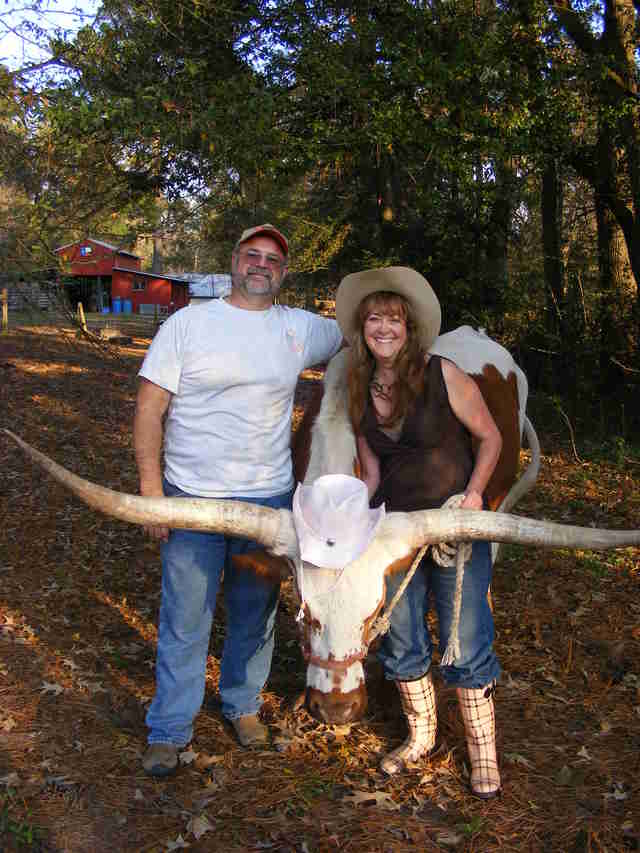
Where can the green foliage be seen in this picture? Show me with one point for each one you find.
(17, 831)
(595, 567)
(472, 827)
(376, 133)
(617, 450)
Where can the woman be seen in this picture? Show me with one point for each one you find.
(415, 417)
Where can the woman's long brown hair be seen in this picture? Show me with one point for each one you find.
(409, 364)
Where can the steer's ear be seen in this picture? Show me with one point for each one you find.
(264, 565)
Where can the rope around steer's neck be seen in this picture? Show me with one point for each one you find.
(445, 555)
(383, 623)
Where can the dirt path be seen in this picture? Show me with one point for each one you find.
(78, 603)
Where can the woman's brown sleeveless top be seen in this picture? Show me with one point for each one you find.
(432, 458)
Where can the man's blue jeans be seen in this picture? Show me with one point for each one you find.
(192, 564)
(406, 650)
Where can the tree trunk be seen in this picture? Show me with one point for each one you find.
(156, 258)
(554, 272)
(617, 93)
(611, 262)
(500, 229)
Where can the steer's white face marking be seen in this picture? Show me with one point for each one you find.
(339, 604)
(325, 680)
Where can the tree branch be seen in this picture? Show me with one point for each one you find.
(576, 27)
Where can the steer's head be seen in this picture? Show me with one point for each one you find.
(336, 617)
(334, 620)
(340, 579)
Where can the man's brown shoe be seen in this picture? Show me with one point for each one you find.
(160, 760)
(250, 731)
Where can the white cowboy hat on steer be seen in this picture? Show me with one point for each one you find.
(333, 521)
(402, 280)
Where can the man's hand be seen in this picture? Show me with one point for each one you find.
(154, 490)
(157, 532)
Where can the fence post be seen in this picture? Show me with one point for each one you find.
(5, 309)
(81, 317)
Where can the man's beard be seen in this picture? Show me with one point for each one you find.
(259, 283)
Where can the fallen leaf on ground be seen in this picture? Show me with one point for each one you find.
(91, 686)
(198, 826)
(56, 689)
(449, 839)
(203, 760)
(377, 798)
(178, 844)
(516, 758)
(618, 792)
(516, 684)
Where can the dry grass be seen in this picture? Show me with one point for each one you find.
(78, 602)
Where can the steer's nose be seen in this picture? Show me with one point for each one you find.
(337, 709)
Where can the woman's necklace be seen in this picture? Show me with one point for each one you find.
(382, 389)
(383, 398)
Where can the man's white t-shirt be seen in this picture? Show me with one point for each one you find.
(232, 374)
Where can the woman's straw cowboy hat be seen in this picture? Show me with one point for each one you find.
(403, 280)
(333, 521)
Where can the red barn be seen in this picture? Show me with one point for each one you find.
(106, 278)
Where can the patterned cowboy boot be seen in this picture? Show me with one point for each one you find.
(476, 707)
(418, 700)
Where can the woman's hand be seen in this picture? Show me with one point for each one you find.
(472, 500)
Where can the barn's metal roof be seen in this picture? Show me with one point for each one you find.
(109, 246)
(170, 276)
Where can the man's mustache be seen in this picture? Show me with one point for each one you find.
(258, 271)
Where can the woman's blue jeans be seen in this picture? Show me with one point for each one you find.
(406, 650)
(192, 564)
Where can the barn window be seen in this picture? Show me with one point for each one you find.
(139, 284)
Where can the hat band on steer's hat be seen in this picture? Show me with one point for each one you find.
(333, 521)
(401, 280)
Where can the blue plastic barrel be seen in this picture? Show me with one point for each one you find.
(116, 304)
(126, 306)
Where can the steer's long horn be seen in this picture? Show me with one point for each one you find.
(456, 525)
(270, 527)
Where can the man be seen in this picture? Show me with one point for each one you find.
(217, 384)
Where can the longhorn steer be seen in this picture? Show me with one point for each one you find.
(340, 607)
(340, 611)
